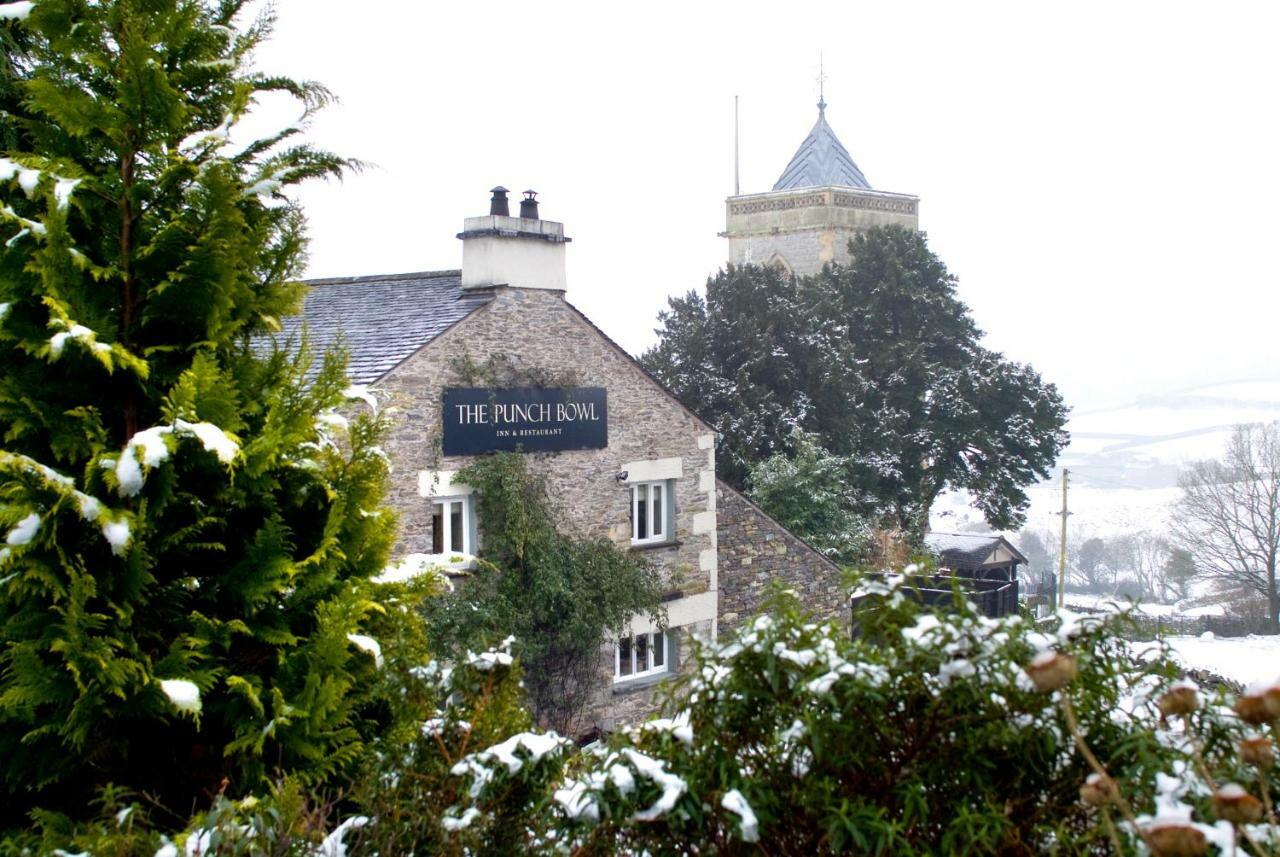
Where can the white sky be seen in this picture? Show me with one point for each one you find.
(1102, 177)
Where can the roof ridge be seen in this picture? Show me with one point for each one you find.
(366, 278)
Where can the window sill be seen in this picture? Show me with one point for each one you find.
(622, 688)
(653, 546)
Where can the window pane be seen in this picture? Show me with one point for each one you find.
(624, 656)
(642, 514)
(657, 510)
(659, 649)
(642, 653)
(455, 526)
(437, 528)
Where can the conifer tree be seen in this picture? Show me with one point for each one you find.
(185, 525)
(882, 361)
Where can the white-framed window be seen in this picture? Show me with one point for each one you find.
(639, 655)
(452, 525)
(652, 511)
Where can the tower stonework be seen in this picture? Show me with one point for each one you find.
(816, 207)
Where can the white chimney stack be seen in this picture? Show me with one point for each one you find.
(524, 252)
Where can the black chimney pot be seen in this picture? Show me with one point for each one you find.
(498, 202)
(529, 205)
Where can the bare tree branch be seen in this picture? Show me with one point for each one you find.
(1229, 514)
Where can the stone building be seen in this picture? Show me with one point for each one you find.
(492, 357)
(817, 205)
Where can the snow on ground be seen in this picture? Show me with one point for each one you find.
(1125, 460)
(1106, 602)
(1255, 658)
(1095, 511)
(1102, 511)
(1075, 600)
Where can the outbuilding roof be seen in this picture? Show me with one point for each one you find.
(821, 161)
(382, 319)
(969, 550)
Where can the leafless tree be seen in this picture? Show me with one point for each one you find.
(1229, 514)
(1137, 562)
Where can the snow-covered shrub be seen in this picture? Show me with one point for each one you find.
(287, 820)
(464, 771)
(928, 733)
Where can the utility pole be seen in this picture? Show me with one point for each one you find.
(1062, 543)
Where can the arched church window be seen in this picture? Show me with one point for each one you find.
(778, 260)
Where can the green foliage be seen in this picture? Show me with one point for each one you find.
(922, 735)
(286, 821)
(473, 705)
(558, 596)
(879, 359)
(928, 733)
(808, 493)
(740, 359)
(178, 507)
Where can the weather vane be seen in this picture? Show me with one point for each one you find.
(822, 79)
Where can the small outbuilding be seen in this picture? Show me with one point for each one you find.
(982, 556)
(983, 567)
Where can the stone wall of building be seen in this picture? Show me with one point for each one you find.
(801, 252)
(808, 227)
(633, 702)
(532, 337)
(756, 552)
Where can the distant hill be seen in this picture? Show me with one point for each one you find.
(1125, 460)
(1143, 444)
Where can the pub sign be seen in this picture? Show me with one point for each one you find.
(533, 419)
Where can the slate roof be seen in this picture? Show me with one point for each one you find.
(968, 550)
(382, 319)
(821, 161)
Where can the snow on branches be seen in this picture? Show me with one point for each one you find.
(59, 491)
(149, 449)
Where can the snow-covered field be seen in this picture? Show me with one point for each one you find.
(1247, 660)
(1125, 460)
(1094, 511)
(1170, 428)
(1105, 602)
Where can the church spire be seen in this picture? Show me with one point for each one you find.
(821, 160)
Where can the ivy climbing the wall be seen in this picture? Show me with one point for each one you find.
(561, 597)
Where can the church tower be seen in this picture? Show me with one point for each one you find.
(820, 202)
